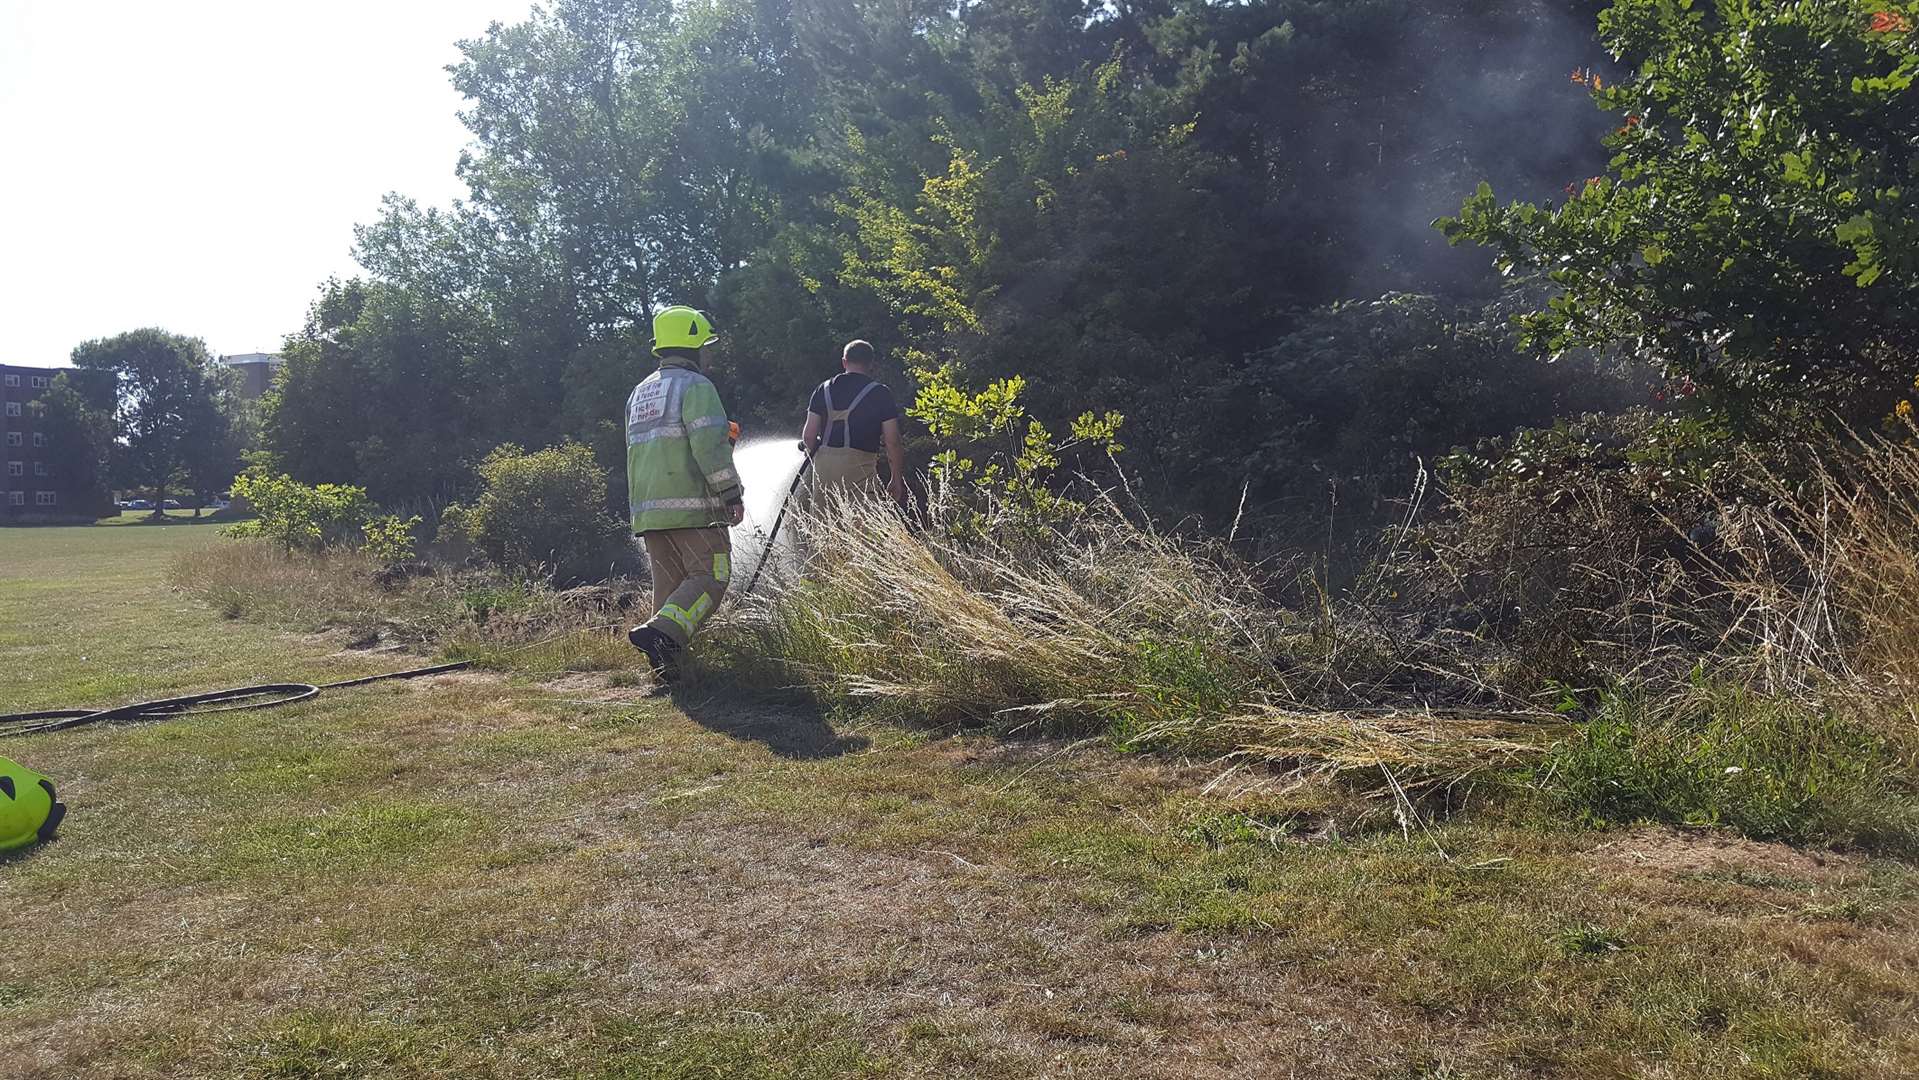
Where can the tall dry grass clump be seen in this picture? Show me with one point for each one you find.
(1103, 624)
(332, 589)
(1824, 576)
(980, 631)
(495, 618)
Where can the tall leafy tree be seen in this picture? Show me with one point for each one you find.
(166, 402)
(1110, 199)
(1757, 232)
(218, 432)
(78, 419)
(380, 387)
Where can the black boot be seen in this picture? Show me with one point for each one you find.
(662, 652)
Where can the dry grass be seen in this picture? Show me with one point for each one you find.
(478, 876)
(497, 620)
(1825, 583)
(981, 631)
(1158, 640)
(335, 590)
(1452, 744)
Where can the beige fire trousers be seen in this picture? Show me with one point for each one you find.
(690, 571)
(844, 468)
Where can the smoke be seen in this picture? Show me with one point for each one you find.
(1489, 99)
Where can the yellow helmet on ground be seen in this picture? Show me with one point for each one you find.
(29, 812)
(682, 328)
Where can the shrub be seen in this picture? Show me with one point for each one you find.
(1000, 463)
(542, 512)
(1572, 546)
(389, 539)
(505, 598)
(1355, 395)
(300, 517)
(1754, 230)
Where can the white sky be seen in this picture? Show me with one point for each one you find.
(199, 165)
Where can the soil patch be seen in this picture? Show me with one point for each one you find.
(1675, 852)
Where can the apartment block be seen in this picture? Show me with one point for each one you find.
(36, 483)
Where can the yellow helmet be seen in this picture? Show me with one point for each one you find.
(29, 810)
(682, 328)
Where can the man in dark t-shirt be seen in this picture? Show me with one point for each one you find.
(850, 420)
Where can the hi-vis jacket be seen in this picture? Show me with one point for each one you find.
(679, 464)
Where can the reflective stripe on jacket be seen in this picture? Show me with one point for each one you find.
(679, 464)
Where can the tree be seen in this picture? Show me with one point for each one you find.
(1091, 196)
(385, 387)
(166, 402)
(218, 434)
(78, 420)
(1757, 232)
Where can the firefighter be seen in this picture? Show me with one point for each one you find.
(29, 810)
(850, 419)
(682, 488)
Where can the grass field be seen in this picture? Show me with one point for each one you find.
(474, 876)
(145, 517)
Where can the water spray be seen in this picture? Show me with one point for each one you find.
(779, 518)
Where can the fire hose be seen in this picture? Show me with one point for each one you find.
(263, 696)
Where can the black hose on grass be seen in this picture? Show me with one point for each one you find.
(35, 723)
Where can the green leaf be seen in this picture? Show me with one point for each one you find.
(1855, 231)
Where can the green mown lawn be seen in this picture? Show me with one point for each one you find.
(145, 517)
(474, 876)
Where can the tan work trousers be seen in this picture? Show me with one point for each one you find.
(690, 571)
(842, 467)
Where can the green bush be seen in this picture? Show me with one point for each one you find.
(999, 462)
(1769, 767)
(484, 602)
(1754, 230)
(1357, 395)
(541, 512)
(300, 517)
(390, 538)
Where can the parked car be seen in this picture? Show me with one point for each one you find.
(173, 504)
(138, 504)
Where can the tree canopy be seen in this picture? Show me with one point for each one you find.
(1755, 231)
(173, 412)
(1129, 205)
(1214, 219)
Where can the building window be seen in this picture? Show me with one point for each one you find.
(16, 468)
(17, 498)
(14, 438)
(37, 409)
(13, 408)
(39, 438)
(39, 468)
(40, 382)
(12, 379)
(45, 498)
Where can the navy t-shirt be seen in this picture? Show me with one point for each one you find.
(874, 410)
